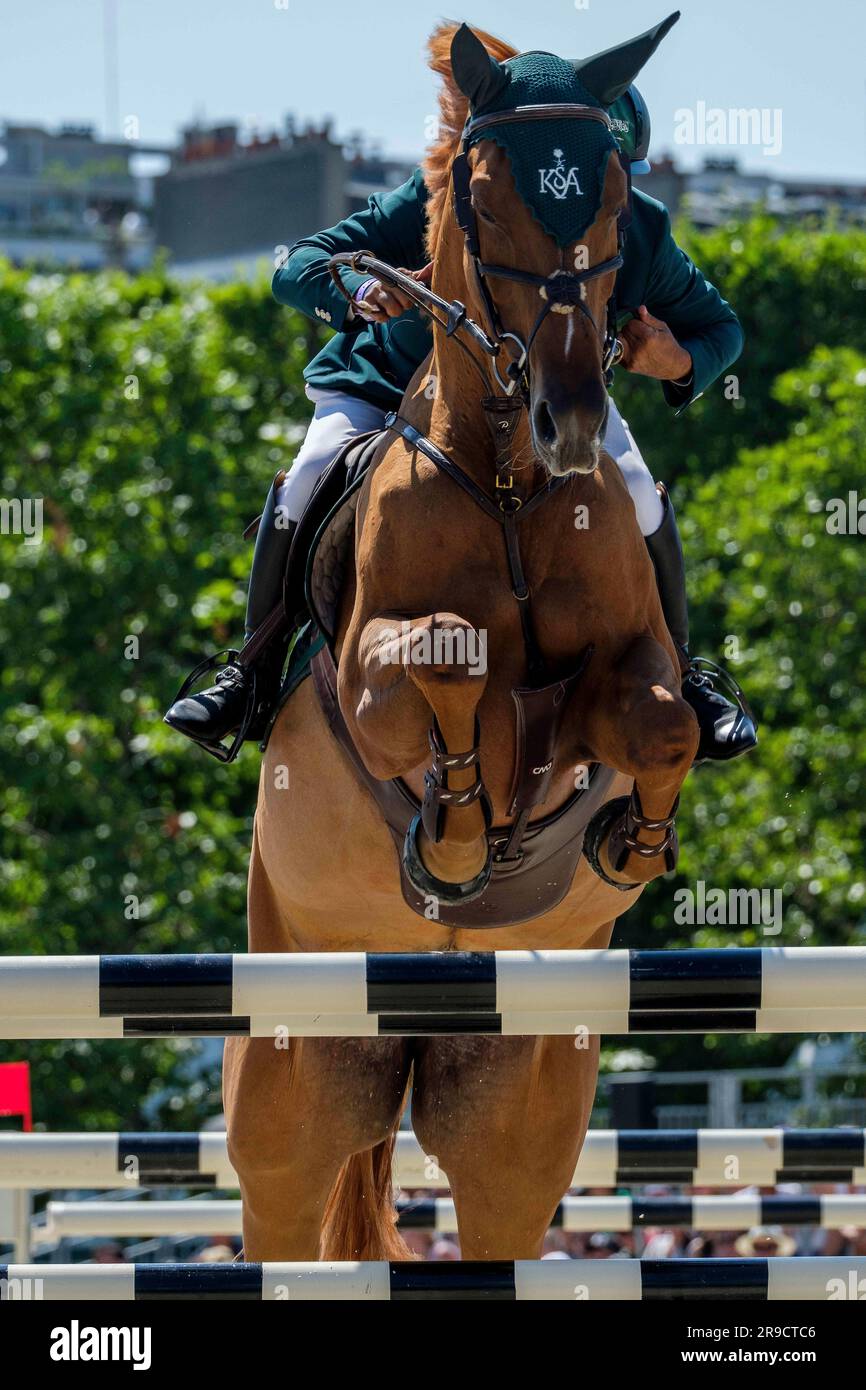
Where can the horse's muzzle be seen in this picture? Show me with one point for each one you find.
(567, 434)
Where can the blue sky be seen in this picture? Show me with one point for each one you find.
(364, 64)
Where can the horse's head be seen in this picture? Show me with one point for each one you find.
(566, 342)
(541, 195)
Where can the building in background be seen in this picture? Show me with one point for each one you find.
(665, 182)
(69, 199)
(227, 206)
(720, 190)
(221, 205)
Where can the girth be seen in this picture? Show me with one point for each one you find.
(522, 886)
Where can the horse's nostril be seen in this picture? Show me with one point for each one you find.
(545, 425)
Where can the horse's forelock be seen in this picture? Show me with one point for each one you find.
(453, 110)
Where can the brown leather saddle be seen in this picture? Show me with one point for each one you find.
(323, 545)
(526, 881)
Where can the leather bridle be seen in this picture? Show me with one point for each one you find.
(563, 289)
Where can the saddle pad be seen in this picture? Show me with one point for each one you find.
(329, 561)
(519, 890)
(307, 641)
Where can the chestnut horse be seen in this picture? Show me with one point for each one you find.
(311, 1127)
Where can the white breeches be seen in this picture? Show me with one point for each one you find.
(619, 443)
(338, 417)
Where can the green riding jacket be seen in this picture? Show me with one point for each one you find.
(376, 361)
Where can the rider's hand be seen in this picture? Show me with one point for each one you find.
(650, 348)
(383, 302)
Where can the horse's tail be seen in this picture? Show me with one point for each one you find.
(360, 1221)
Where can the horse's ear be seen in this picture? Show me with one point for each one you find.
(479, 77)
(607, 75)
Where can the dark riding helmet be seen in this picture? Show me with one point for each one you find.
(631, 126)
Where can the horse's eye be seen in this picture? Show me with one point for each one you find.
(486, 217)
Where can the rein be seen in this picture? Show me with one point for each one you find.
(454, 311)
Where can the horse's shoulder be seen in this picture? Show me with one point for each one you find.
(398, 475)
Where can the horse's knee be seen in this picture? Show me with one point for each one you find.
(504, 1120)
(445, 658)
(491, 1110)
(663, 734)
(255, 1080)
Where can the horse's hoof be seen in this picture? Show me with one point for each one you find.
(428, 885)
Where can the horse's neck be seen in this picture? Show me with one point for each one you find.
(444, 402)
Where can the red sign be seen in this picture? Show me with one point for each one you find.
(15, 1091)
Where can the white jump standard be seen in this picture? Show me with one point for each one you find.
(357, 994)
(809, 1279)
(610, 1158)
(740, 1213)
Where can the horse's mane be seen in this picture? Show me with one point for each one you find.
(453, 110)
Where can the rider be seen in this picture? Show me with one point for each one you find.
(682, 333)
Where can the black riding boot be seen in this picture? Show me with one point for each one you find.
(244, 694)
(727, 728)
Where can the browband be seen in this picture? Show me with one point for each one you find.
(543, 111)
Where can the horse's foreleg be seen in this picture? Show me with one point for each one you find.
(644, 728)
(405, 676)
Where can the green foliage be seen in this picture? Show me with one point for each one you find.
(772, 582)
(794, 289)
(151, 416)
